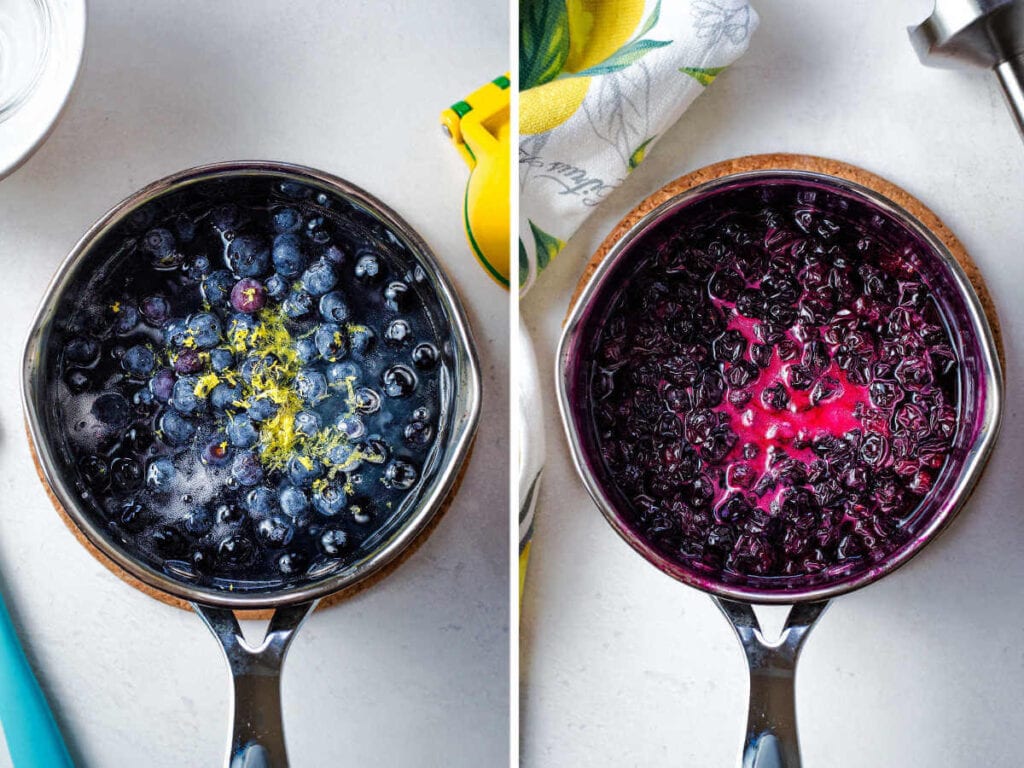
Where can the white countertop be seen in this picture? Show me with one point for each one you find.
(621, 666)
(412, 672)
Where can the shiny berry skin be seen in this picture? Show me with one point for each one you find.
(248, 295)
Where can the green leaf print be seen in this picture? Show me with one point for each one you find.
(543, 41)
(651, 21)
(703, 75)
(524, 263)
(547, 246)
(628, 54)
(637, 156)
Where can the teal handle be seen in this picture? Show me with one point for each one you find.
(33, 739)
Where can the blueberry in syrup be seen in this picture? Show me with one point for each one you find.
(224, 393)
(772, 390)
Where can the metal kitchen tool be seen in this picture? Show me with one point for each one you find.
(980, 33)
(257, 737)
(771, 735)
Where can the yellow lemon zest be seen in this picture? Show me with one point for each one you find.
(206, 384)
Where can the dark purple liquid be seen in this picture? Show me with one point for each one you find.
(333, 347)
(772, 390)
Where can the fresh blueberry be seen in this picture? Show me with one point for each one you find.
(221, 359)
(111, 409)
(246, 468)
(335, 255)
(176, 333)
(235, 551)
(162, 384)
(160, 245)
(344, 456)
(418, 433)
(291, 563)
(286, 219)
(367, 400)
(125, 473)
(261, 408)
(317, 231)
(200, 266)
(399, 381)
(424, 356)
(351, 426)
(216, 288)
(361, 339)
(132, 515)
(125, 319)
(368, 268)
(224, 396)
(277, 287)
(248, 256)
(400, 474)
(160, 474)
(305, 349)
(331, 342)
(293, 502)
(184, 398)
(81, 351)
(333, 541)
(216, 451)
(311, 386)
(261, 502)
(319, 278)
(248, 295)
(204, 328)
(288, 258)
(303, 470)
(155, 310)
(241, 431)
(139, 360)
(275, 531)
(230, 513)
(330, 499)
(307, 423)
(198, 521)
(175, 428)
(187, 361)
(226, 217)
(240, 325)
(298, 304)
(333, 307)
(340, 373)
(94, 472)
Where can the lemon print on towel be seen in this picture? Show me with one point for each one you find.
(564, 43)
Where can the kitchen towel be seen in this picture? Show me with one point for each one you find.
(601, 81)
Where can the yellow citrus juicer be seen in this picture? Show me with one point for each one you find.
(479, 128)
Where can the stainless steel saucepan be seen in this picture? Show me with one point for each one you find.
(771, 735)
(257, 736)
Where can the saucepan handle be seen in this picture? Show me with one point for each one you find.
(257, 734)
(771, 739)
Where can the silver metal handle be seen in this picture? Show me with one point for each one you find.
(1011, 77)
(771, 739)
(257, 733)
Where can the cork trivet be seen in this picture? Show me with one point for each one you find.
(329, 600)
(790, 162)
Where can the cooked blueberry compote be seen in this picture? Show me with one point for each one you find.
(251, 383)
(771, 388)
